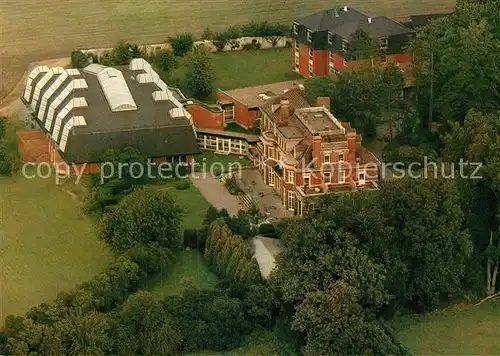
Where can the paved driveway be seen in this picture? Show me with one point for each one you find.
(216, 194)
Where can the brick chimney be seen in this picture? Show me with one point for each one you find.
(285, 110)
(316, 151)
(323, 101)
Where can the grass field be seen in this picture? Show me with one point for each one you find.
(33, 30)
(459, 330)
(190, 269)
(209, 158)
(47, 245)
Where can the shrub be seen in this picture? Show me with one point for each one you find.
(182, 184)
(200, 74)
(251, 46)
(232, 187)
(79, 59)
(181, 44)
(267, 230)
(6, 161)
(124, 52)
(165, 61)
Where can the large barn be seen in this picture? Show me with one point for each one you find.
(80, 114)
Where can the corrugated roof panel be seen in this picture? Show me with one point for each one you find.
(42, 82)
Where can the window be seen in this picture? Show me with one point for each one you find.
(291, 200)
(307, 182)
(297, 47)
(332, 58)
(330, 38)
(345, 44)
(309, 36)
(271, 178)
(327, 177)
(229, 112)
(334, 71)
(384, 42)
(297, 64)
(311, 54)
(383, 59)
(341, 177)
(341, 157)
(310, 69)
(326, 158)
(291, 177)
(345, 62)
(361, 178)
(295, 29)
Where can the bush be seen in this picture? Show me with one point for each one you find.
(267, 230)
(181, 44)
(165, 61)
(251, 46)
(7, 162)
(182, 184)
(200, 74)
(232, 187)
(124, 52)
(79, 59)
(146, 216)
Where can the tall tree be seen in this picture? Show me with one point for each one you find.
(200, 74)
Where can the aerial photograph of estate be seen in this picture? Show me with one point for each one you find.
(250, 178)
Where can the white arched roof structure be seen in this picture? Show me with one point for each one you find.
(75, 121)
(74, 84)
(65, 111)
(116, 90)
(52, 89)
(33, 74)
(42, 82)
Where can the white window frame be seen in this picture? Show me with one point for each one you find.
(309, 36)
(341, 176)
(345, 62)
(311, 54)
(291, 200)
(308, 177)
(361, 173)
(341, 155)
(384, 42)
(334, 71)
(295, 28)
(311, 69)
(297, 64)
(345, 44)
(291, 177)
(325, 155)
(331, 58)
(330, 38)
(271, 177)
(329, 180)
(297, 47)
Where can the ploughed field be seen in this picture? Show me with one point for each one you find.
(34, 30)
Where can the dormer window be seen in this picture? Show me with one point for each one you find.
(384, 42)
(345, 45)
(330, 38)
(295, 29)
(309, 36)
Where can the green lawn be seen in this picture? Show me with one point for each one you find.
(248, 68)
(458, 330)
(259, 343)
(241, 69)
(190, 269)
(193, 204)
(209, 158)
(47, 244)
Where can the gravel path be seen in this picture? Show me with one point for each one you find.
(216, 194)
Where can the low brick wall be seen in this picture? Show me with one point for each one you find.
(33, 146)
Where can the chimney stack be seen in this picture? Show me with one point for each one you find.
(369, 20)
(285, 110)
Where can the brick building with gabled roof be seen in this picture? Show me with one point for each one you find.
(320, 42)
(305, 152)
(83, 113)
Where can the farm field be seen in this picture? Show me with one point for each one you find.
(458, 330)
(47, 245)
(34, 30)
